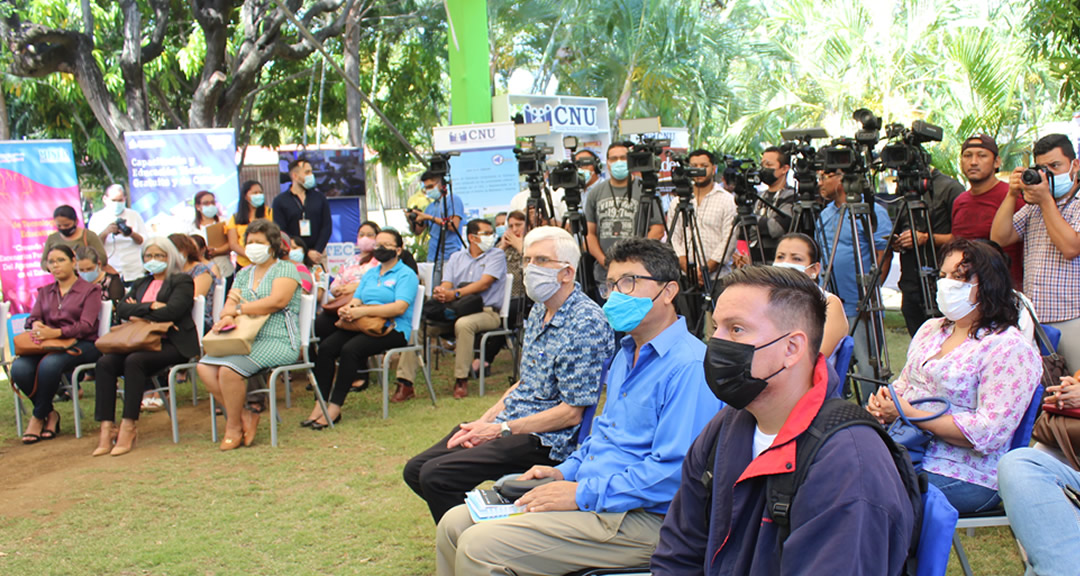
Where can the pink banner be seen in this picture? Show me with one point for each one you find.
(35, 178)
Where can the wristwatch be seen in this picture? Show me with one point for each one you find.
(504, 430)
(457, 294)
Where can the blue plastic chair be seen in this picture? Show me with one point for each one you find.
(1054, 335)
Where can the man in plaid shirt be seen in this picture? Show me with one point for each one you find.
(715, 210)
(1048, 225)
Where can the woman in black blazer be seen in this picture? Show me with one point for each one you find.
(165, 294)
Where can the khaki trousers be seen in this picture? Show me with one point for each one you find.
(465, 331)
(544, 543)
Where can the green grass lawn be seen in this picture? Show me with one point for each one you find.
(329, 502)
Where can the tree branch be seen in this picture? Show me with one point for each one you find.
(156, 43)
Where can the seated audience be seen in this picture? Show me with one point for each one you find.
(348, 278)
(478, 269)
(88, 264)
(67, 308)
(270, 287)
(164, 294)
(250, 207)
(191, 263)
(206, 215)
(536, 420)
(1040, 491)
(852, 514)
(388, 293)
(976, 358)
(315, 277)
(800, 252)
(69, 233)
(607, 500)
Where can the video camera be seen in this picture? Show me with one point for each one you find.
(565, 175)
(745, 175)
(906, 155)
(439, 163)
(682, 174)
(532, 161)
(644, 156)
(804, 159)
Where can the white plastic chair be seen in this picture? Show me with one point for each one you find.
(307, 321)
(218, 301)
(504, 314)
(198, 315)
(426, 271)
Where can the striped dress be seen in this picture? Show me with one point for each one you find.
(278, 342)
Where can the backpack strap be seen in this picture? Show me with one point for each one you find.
(836, 415)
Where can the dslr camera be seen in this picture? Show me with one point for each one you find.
(1032, 176)
(123, 226)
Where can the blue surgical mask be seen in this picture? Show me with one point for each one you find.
(257, 200)
(297, 255)
(624, 313)
(155, 266)
(584, 174)
(309, 181)
(434, 193)
(500, 230)
(90, 276)
(620, 170)
(208, 211)
(1062, 184)
(117, 207)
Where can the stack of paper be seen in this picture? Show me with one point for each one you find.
(489, 504)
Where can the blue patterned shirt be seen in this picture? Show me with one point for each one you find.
(655, 408)
(561, 362)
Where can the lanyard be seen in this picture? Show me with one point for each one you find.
(303, 213)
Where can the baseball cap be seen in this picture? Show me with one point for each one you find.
(980, 141)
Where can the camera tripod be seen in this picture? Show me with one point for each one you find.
(856, 211)
(647, 202)
(806, 212)
(684, 219)
(917, 214)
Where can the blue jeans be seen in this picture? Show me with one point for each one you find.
(1044, 520)
(48, 370)
(965, 496)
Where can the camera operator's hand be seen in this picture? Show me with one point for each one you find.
(111, 229)
(1038, 194)
(903, 240)
(739, 259)
(1016, 185)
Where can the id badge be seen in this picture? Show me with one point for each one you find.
(305, 227)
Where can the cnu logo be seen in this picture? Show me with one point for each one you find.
(561, 115)
(472, 135)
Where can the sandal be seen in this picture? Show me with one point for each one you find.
(46, 433)
(31, 438)
(152, 404)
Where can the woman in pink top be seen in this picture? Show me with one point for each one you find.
(66, 308)
(978, 359)
(348, 278)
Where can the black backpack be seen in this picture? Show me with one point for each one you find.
(780, 489)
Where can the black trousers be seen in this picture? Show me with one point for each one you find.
(137, 368)
(47, 370)
(324, 324)
(442, 476)
(350, 350)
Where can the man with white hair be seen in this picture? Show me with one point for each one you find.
(121, 230)
(536, 421)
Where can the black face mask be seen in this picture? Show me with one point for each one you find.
(727, 371)
(67, 232)
(383, 254)
(768, 177)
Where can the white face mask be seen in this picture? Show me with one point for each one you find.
(541, 283)
(954, 298)
(791, 265)
(257, 253)
(486, 243)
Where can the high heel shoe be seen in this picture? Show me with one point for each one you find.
(50, 433)
(125, 440)
(231, 442)
(106, 439)
(250, 422)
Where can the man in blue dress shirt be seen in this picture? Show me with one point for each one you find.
(844, 271)
(608, 500)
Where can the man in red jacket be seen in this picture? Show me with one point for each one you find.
(851, 515)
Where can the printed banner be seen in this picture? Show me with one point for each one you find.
(485, 174)
(167, 168)
(336, 255)
(35, 178)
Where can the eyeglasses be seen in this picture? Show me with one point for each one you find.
(158, 257)
(625, 285)
(541, 261)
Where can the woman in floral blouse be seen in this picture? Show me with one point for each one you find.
(977, 358)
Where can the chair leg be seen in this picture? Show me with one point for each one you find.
(193, 375)
(76, 411)
(483, 355)
(271, 384)
(427, 378)
(288, 389)
(18, 414)
(213, 418)
(172, 405)
(960, 555)
(384, 374)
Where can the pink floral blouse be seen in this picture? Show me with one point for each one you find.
(353, 271)
(989, 382)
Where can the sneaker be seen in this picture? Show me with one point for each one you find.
(404, 392)
(461, 389)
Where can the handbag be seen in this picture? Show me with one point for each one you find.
(1059, 428)
(135, 335)
(338, 303)
(371, 325)
(235, 342)
(910, 436)
(26, 345)
(1053, 363)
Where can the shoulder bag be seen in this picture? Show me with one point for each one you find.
(371, 325)
(910, 436)
(235, 342)
(27, 345)
(135, 335)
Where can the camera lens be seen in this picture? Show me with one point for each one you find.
(1031, 177)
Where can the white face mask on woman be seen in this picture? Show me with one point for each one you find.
(257, 253)
(954, 298)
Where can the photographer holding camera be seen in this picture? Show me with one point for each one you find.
(121, 230)
(772, 225)
(715, 208)
(440, 213)
(611, 208)
(1048, 227)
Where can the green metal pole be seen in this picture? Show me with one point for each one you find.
(470, 57)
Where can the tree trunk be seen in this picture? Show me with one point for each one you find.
(353, 103)
(131, 67)
(5, 129)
